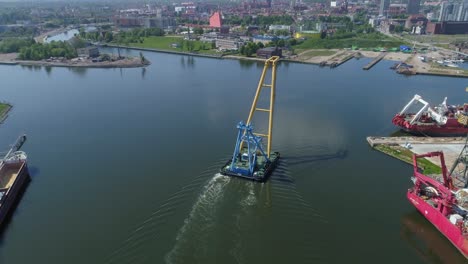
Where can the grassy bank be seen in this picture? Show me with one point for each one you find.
(358, 40)
(4, 108)
(438, 38)
(406, 155)
(165, 43)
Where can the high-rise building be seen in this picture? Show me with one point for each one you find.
(450, 11)
(413, 7)
(384, 4)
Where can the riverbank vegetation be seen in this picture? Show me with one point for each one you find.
(174, 43)
(347, 33)
(4, 108)
(14, 44)
(260, 20)
(40, 51)
(342, 40)
(23, 32)
(406, 155)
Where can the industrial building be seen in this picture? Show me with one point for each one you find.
(269, 52)
(448, 27)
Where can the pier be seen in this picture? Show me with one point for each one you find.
(375, 141)
(337, 60)
(374, 61)
(403, 148)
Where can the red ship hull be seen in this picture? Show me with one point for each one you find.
(450, 231)
(451, 128)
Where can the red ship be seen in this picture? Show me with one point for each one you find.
(441, 203)
(441, 120)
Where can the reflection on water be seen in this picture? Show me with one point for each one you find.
(143, 73)
(191, 61)
(48, 70)
(427, 241)
(32, 67)
(187, 61)
(80, 71)
(248, 64)
(305, 159)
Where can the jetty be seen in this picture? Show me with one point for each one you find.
(375, 141)
(337, 60)
(374, 61)
(403, 148)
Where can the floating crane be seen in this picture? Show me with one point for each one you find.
(250, 160)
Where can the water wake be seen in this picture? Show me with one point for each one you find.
(136, 247)
(201, 220)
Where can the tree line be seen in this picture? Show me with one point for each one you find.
(14, 44)
(137, 35)
(260, 20)
(40, 51)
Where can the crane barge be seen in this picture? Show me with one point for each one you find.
(441, 203)
(250, 160)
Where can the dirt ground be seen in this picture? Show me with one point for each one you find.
(8, 57)
(420, 67)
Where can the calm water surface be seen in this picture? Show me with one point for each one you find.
(124, 166)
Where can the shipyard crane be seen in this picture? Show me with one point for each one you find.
(250, 160)
(438, 116)
(459, 168)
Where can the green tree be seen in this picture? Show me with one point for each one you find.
(108, 37)
(190, 45)
(198, 30)
(248, 51)
(323, 34)
(281, 43)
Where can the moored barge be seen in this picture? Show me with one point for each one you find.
(14, 175)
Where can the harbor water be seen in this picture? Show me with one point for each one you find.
(124, 165)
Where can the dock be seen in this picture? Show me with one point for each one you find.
(375, 141)
(374, 61)
(338, 59)
(403, 148)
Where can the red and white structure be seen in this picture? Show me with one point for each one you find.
(441, 203)
(441, 120)
(216, 21)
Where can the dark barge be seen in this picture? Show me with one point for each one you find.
(14, 174)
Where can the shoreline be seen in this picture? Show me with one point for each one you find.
(162, 51)
(339, 57)
(127, 62)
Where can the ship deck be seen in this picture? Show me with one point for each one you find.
(9, 173)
